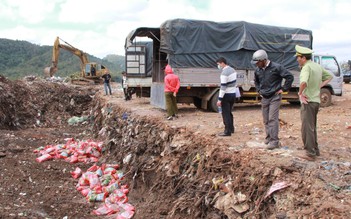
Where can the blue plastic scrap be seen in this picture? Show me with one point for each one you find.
(125, 116)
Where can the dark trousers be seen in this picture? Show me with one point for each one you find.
(309, 127)
(127, 95)
(227, 115)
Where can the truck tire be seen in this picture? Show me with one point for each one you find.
(326, 97)
(212, 104)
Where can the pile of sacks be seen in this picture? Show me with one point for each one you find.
(103, 184)
(72, 151)
(97, 184)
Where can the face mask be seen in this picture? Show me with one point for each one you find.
(219, 67)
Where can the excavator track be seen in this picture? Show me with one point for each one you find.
(83, 81)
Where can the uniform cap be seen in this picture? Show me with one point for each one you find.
(168, 69)
(300, 50)
(259, 55)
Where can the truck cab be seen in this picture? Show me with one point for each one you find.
(138, 60)
(334, 87)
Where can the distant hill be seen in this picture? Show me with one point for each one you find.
(21, 58)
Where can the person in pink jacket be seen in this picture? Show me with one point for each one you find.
(172, 85)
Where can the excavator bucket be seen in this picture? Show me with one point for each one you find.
(49, 71)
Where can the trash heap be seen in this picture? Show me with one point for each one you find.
(97, 184)
(103, 184)
(72, 151)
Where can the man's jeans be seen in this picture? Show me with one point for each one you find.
(107, 86)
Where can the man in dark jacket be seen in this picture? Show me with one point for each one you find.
(107, 86)
(268, 81)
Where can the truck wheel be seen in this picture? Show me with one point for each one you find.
(212, 105)
(326, 97)
(197, 102)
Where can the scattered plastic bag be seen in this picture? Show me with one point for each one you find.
(104, 210)
(76, 173)
(76, 120)
(44, 157)
(275, 187)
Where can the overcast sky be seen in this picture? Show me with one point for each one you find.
(100, 27)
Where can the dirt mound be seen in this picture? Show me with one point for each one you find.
(37, 102)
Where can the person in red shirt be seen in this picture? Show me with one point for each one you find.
(172, 85)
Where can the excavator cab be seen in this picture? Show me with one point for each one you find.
(94, 70)
(90, 70)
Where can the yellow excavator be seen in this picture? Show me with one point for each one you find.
(91, 72)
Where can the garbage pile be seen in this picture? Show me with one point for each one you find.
(35, 102)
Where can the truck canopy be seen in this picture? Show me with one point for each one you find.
(150, 32)
(195, 43)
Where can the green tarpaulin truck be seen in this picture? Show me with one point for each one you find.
(191, 47)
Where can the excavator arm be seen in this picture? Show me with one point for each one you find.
(50, 71)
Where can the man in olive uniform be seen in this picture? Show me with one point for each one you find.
(312, 78)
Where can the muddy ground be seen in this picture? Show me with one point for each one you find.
(178, 169)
